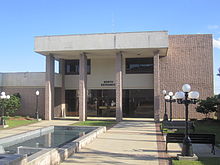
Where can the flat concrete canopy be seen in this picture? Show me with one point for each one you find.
(103, 44)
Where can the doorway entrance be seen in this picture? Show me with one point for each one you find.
(138, 103)
(102, 103)
(72, 103)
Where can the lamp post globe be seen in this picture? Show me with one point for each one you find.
(167, 97)
(193, 95)
(37, 114)
(37, 93)
(164, 92)
(2, 93)
(179, 95)
(170, 93)
(186, 88)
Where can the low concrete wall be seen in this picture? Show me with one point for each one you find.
(6, 159)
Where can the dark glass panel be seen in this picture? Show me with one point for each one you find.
(101, 103)
(72, 103)
(138, 103)
(139, 65)
(72, 67)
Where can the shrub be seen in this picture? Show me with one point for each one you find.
(207, 106)
(11, 105)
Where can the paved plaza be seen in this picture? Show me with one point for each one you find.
(130, 142)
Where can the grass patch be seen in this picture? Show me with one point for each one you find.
(107, 123)
(201, 161)
(206, 126)
(186, 162)
(209, 126)
(16, 123)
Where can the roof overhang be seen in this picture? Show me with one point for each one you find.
(106, 44)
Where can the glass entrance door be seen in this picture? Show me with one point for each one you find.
(72, 103)
(138, 103)
(101, 103)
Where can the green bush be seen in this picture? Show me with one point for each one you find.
(10, 106)
(207, 106)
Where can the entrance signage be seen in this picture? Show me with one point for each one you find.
(108, 83)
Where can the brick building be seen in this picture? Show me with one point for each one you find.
(114, 74)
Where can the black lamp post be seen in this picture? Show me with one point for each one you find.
(186, 97)
(165, 117)
(170, 98)
(37, 114)
(3, 97)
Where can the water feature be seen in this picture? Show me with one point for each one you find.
(54, 137)
(49, 145)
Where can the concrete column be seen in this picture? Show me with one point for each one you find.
(63, 99)
(156, 86)
(119, 86)
(82, 87)
(49, 87)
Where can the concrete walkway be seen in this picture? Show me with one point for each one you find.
(201, 150)
(41, 124)
(133, 141)
(128, 143)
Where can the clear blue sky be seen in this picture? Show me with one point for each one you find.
(21, 20)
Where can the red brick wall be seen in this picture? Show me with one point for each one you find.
(189, 60)
(28, 100)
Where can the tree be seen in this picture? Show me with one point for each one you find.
(207, 106)
(10, 106)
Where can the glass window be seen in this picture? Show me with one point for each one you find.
(72, 67)
(139, 65)
(72, 103)
(101, 103)
(138, 103)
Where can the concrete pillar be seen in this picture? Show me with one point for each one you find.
(119, 86)
(82, 87)
(49, 87)
(63, 99)
(156, 86)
